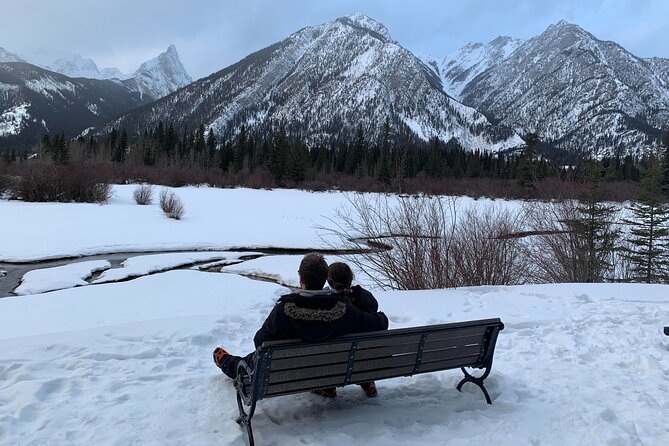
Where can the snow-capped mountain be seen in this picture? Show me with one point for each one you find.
(6, 56)
(160, 76)
(460, 67)
(660, 67)
(75, 65)
(322, 82)
(35, 101)
(584, 94)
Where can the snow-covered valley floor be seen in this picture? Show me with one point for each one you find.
(130, 362)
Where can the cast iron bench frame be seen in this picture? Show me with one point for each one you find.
(294, 366)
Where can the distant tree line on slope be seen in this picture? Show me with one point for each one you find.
(279, 159)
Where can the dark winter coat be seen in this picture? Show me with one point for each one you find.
(317, 316)
(362, 299)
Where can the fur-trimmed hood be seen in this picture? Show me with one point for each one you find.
(316, 316)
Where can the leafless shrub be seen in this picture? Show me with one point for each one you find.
(566, 246)
(485, 253)
(76, 182)
(421, 245)
(171, 204)
(143, 194)
(413, 235)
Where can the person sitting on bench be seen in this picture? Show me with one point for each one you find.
(340, 279)
(311, 314)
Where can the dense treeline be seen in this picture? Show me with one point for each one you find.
(277, 158)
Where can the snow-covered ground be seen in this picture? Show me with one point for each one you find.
(130, 362)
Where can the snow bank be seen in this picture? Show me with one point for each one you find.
(576, 364)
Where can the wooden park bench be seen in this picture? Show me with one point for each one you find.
(293, 366)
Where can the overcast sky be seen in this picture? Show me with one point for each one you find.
(212, 34)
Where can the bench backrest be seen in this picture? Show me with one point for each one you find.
(292, 366)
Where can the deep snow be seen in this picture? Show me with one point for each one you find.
(130, 362)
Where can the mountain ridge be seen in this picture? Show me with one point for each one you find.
(581, 93)
(323, 81)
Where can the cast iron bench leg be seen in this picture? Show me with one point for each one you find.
(478, 381)
(244, 419)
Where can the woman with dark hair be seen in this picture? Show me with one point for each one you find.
(340, 279)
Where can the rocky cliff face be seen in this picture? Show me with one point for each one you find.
(160, 76)
(459, 68)
(35, 101)
(582, 93)
(322, 82)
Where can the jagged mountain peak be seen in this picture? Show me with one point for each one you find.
(321, 83)
(565, 34)
(581, 93)
(161, 75)
(169, 59)
(75, 65)
(463, 65)
(6, 56)
(363, 21)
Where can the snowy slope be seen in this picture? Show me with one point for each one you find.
(130, 362)
(35, 101)
(660, 67)
(324, 81)
(459, 68)
(6, 56)
(582, 93)
(76, 65)
(14, 119)
(160, 76)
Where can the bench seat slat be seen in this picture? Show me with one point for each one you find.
(451, 353)
(447, 364)
(303, 386)
(292, 352)
(384, 363)
(459, 332)
(455, 342)
(308, 373)
(308, 361)
(382, 352)
(389, 340)
(381, 374)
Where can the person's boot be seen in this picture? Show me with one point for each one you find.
(370, 389)
(219, 357)
(330, 392)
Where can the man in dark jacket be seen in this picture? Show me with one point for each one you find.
(311, 314)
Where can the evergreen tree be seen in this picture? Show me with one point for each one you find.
(240, 150)
(649, 231)
(60, 149)
(296, 167)
(148, 154)
(279, 151)
(527, 177)
(211, 149)
(595, 236)
(665, 161)
(385, 175)
(356, 153)
(119, 151)
(434, 161)
(200, 147)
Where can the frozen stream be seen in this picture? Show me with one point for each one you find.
(14, 272)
